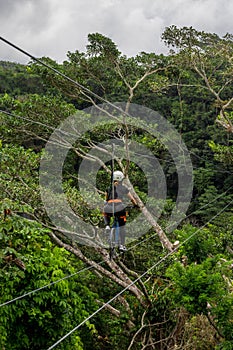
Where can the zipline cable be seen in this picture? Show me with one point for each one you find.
(137, 279)
(27, 119)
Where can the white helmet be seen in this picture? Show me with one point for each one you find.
(118, 176)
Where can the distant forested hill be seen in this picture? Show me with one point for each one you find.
(16, 79)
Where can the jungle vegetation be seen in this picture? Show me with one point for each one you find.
(172, 289)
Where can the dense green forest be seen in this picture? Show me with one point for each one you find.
(172, 288)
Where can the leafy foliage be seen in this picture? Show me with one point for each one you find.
(30, 262)
(187, 299)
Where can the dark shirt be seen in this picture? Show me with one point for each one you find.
(120, 191)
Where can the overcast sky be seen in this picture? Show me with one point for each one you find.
(54, 27)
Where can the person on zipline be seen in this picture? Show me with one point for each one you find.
(114, 205)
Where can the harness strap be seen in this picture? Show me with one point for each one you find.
(123, 217)
(115, 201)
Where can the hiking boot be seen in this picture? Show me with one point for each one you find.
(122, 248)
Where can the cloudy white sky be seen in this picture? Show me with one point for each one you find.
(54, 27)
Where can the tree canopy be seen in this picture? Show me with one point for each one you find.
(172, 289)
